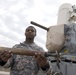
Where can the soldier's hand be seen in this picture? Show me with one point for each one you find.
(41, 59)
(5, 55)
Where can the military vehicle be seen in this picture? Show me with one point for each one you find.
(61, 41)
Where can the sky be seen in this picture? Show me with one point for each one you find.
(16, 15)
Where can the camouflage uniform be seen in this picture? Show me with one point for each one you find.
(21, 64)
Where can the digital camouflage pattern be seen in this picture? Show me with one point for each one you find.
(21, 64)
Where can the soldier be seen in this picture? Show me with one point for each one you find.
(26, 65)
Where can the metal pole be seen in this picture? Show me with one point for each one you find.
(36, 24)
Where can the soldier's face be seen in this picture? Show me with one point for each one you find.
(30, 32)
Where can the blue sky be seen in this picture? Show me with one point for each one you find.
(15, 16)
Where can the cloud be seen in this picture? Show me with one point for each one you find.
(15, 16)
